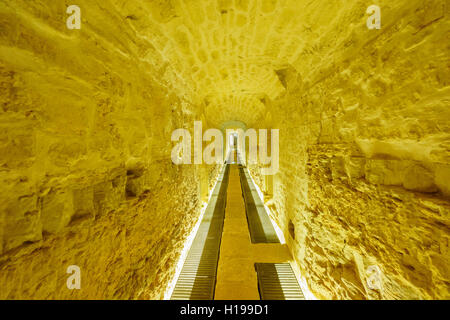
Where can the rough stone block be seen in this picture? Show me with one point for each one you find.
(384, 172)
(136, 185)
(56, 211)
(418, 178)
(83, 202)
(354, 167)
(337, 167)
(17, 143)
(109, 194)
(442, 178)
(22, 222)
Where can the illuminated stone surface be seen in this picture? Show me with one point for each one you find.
(86, 118)
(236, 274)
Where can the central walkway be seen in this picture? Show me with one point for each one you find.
(236, 254)
(236, 274)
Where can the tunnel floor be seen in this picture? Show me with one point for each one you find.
(235, 276)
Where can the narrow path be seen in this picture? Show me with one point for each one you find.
(236, 274)
(222, 262)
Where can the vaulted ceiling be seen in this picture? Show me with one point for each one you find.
(222, 54)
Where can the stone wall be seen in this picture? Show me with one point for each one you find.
(364, 154)
(85, 125)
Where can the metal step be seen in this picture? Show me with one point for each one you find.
(277, 281)
(259, 224)
(197, 279)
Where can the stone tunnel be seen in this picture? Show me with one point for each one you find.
(89, 107)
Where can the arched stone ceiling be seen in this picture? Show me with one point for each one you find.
(221, 54)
